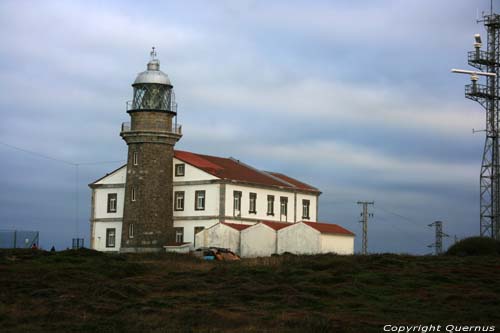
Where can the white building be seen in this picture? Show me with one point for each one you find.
(266, 238)
(223, 235)
(207, 190)
(261, 239)
(315, 237)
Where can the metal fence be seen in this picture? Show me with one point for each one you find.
(18, 239)
(78, 243)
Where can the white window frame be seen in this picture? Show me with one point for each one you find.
(133, 196)
(135, 158)
(306, 204)
(179, 199)
(199, 200)
(180, 169)
(283, 207)
(252, 204)
(112, 202)
(237, 195)
(270, 205)
(179, 234)
(131, 230)
(110, 237)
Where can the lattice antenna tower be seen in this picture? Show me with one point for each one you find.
(487, 95)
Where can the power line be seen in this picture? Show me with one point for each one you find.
(76, 165)
(57, 159)
(100, 162)
(399, 215)
(37, 154)
(394, 225)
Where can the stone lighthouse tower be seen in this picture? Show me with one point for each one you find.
(150, 136)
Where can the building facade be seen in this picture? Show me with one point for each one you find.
(206, 190)
(177, 200)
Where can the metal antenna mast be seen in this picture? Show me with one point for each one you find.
(488, 62)
(438, 244)
(365, 215)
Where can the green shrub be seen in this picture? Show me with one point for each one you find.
(475, 246)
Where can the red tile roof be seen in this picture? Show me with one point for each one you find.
(276, 225)
(329, 228)
(237, 226)
(231, 169)
(293, 181)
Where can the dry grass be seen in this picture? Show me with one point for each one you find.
(85, 291)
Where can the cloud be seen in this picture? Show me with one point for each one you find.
(355, 98)
(319, 100)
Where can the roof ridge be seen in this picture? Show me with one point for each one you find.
(295, 179)
(341, 231)
(262, 172)
(270, 173)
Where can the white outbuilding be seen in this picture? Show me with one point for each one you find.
(260, 240)
(315, 237)
(223, 235)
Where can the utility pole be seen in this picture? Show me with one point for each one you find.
(365, 215)
(438, 243)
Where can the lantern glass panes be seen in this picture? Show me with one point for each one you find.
(152, 97)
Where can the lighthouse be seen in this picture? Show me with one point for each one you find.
(150, 135)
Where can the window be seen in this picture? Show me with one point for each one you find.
(179, 235)
(110, 237)
(198, 229)
(136, 158)
(133, 194)
(179, 200)
(131, 230)
(270, 205)
(199, 200)
(253, 203)
(305, 209)
(283, 205)
(112, 202)
(236, 203)
(179, 170)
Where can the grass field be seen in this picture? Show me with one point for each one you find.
(87, 291)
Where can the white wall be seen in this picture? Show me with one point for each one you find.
(312, 207)
(211, 200)
(340, 244)
(101, 202)
(299, 238)
(219, 235)
(191, 173)
(262, 203)
(258, 241)
(189, 226)
(117, 177)
(100, 235)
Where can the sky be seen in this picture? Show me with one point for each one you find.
(353, 97)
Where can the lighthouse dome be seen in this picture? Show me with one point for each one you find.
(153, 74)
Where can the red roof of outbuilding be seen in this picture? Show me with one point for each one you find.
(237, 226)
(329, 228)
(231, 169)
(276, 225)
